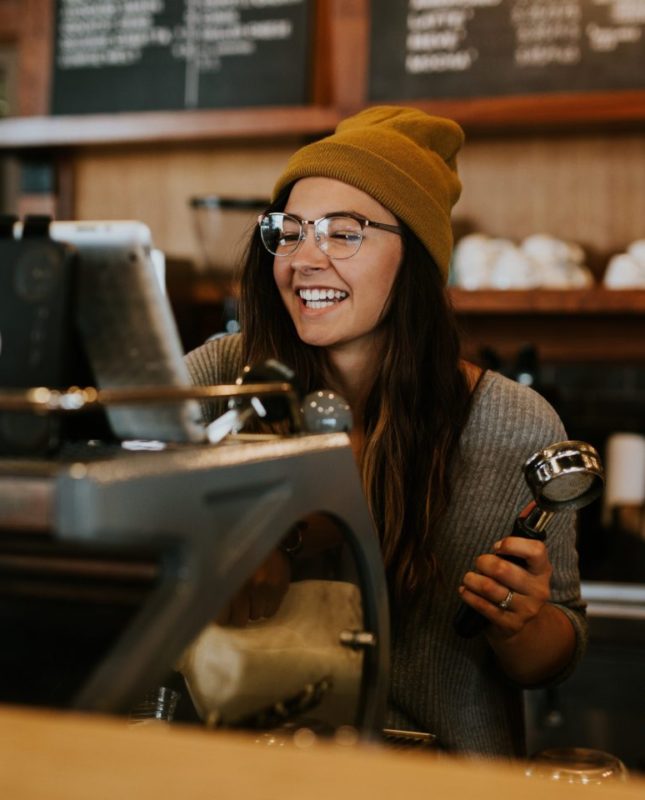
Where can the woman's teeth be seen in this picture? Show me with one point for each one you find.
(321, 298)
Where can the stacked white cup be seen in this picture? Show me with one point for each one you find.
(625, 468)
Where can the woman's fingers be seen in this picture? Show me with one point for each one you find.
(535, 567)
(532, 551)
(507, 594)
(509, 618)
(485, 594)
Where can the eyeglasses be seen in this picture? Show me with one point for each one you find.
(338, 235)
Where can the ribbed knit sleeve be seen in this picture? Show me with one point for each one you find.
(447, 685)
(217, 361)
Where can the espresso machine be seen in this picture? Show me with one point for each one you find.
(118, 551)
(171, 535)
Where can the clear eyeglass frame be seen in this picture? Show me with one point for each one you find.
(339, 234)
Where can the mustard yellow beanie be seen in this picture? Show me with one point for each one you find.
(403, 158)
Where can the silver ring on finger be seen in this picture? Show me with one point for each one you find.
(505, 604)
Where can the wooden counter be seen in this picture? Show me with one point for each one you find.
(65, 757)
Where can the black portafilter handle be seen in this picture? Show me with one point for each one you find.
(276, 407)
(468, 622)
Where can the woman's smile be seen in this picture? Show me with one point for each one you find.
(321, 298)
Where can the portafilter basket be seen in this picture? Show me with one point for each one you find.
(565, 475)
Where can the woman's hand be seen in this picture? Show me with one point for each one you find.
(532, 639)
(495, 579)
(261, 595)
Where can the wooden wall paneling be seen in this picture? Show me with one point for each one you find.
(155, 183)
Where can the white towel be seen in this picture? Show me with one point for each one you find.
(232, 673)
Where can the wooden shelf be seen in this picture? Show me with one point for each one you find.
(166, 126)
(209, 290)
(477, 116)
(596, 301)
(592, 325)
(557, 111)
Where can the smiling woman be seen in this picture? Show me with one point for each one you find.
(345, 281)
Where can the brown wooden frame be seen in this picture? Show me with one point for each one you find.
(28, 24)
(339, 87)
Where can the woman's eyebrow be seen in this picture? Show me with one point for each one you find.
(341, 213)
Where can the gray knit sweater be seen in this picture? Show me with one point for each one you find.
(439, 682)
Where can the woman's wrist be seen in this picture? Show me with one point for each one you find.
(539, 651)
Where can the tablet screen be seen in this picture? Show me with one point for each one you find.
(127, 327)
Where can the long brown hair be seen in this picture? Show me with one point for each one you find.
(416, 410)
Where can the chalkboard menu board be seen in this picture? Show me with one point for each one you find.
(478, 48)
(153, 55)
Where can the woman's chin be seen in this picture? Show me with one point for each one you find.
(319, 339)
(316, 332)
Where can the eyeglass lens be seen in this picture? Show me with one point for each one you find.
(337, 236)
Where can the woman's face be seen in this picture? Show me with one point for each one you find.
(360, 284)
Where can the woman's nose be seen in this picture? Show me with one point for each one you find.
(309, 255)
